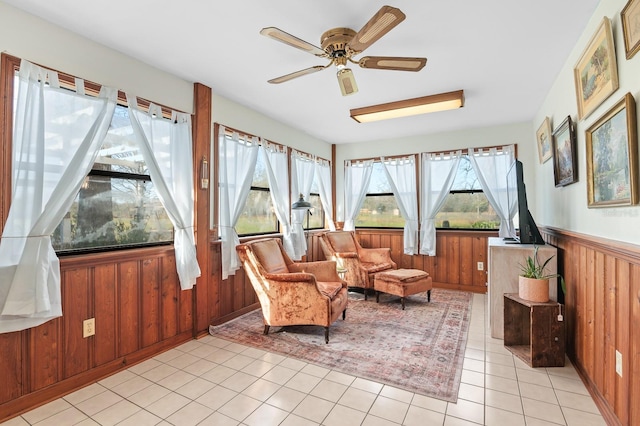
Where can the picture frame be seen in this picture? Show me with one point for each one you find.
(565, 160)
(630, 17)
(543, 139)
(612, 157)
(596, 72)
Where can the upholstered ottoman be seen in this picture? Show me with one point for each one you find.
(402, 283)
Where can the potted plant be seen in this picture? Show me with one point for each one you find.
(533, 282)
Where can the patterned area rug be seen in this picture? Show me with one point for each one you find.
(420, 349)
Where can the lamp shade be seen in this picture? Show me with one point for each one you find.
(301, 204)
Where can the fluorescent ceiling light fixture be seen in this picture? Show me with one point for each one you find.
(407, 107)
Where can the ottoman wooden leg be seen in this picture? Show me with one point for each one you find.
(428, 295)
(377, 296)
(402, 300)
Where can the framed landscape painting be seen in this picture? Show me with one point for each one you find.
(596, 73)
(543, 137)
(565, 162)
(630, 17)
(612, 157)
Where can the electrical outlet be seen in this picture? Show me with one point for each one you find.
(619, 363)
(88, 327)
(480, 266)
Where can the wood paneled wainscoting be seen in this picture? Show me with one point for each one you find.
(603, 316)
(139, 311)
(455, 265)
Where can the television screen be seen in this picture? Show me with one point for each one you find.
(517, 202)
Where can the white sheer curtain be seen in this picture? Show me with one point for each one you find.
(438, 174)
(56, 137)
(278, 177)
(302, 167)
(323, 176)
(237, 165)
(356, 184)
(401, 173)
(166, 147)
(491, 168)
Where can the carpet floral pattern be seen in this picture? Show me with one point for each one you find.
(420, 349)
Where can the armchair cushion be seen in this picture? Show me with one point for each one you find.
(342, 242)
(269, 255)
(372, 268)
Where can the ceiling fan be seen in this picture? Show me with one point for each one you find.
(340, 45)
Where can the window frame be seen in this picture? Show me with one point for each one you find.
(380, 194)
(460, 191)
(10, 65)
(216, 193)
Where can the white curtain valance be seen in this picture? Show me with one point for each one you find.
(278, 176)
(356, 184)
(491, 168)
(401, 174)
(57, 134)
(323, 177)
(438, 173)
(166, 147)
(237, 164)
(302, 172)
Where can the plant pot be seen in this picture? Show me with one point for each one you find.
(533, 290)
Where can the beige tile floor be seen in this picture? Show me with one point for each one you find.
(214, 382)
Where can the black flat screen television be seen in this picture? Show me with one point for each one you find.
(517, 198)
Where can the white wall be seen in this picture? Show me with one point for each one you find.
(38, 41)
(518, 133)
(232, 114)
(566, 207)
(56, 48)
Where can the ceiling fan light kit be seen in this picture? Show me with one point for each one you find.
(339, 45)
(347, 82)
(408, 107)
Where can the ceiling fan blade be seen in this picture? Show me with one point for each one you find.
(286, 38)
(296, 74)
(393, 63)
(380, 24)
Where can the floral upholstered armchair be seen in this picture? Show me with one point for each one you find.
(305, 293)
(361, 264)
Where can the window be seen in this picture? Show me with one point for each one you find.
(258, 216)
(379, 209)
(117, 206)
(316, 219)
(466, 206)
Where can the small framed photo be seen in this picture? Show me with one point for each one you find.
(596, 73)
(612, 157)
(543, 137)
(630, 17)
(565, 162)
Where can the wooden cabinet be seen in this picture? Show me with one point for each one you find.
(504, 260)
(534, 331)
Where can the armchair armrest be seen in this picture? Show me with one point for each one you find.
(291, 277)
(346, 255)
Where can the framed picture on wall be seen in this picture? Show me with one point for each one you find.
(612, 157)
(630, 17)
(596, 73)
(543, 137)
(565, 162)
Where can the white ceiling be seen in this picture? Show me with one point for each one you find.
(505, 54)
